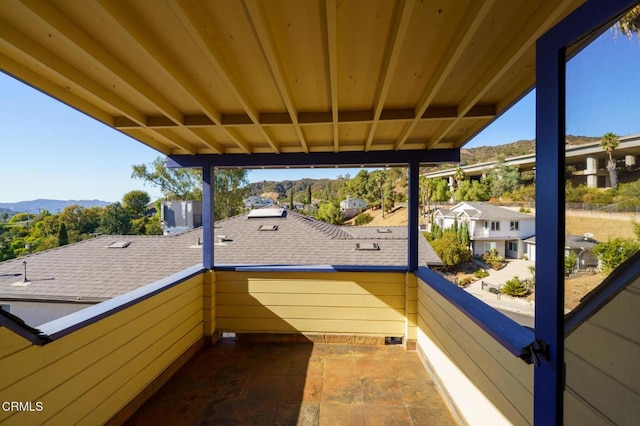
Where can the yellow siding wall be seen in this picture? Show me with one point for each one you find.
(485, 383)
(602, 358)
(89, 375)
(363, 303)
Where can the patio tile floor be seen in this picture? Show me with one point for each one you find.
(240, 383)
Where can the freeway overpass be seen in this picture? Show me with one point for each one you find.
(589, 161)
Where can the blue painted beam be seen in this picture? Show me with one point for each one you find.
(580, 26)
(317, 159)
(414, 234)
(208, 185)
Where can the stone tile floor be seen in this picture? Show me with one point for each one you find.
(238, 383)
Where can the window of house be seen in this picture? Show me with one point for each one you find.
(486, 225)
(495, 226)
(489, 246)
(514, 225)
(5, 307)
(513, 245)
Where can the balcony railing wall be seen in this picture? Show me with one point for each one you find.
(90, 375)
(482, 381)
(106, 368)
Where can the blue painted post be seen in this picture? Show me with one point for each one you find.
(414, 233)
(208, 185)
(550, 197)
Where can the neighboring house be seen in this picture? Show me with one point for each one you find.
(581, 245)
(70, 278)
(490, 227)
(352, 206)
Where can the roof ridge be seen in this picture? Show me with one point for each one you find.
(333, 231)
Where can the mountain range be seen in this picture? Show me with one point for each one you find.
(53, 206)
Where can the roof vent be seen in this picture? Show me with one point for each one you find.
(268, 228)
(265, 213)
(384, 231)
(119, 244)
(367, 246)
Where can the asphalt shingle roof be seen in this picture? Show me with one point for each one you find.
(92, 272)
(490, 212)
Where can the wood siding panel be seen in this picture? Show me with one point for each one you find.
(495, 381)
(606, 352)
(579, 413)
(603, 372)
(33, 358)
(350, 303)
(619, 316)
(89, 375)
(601, 392)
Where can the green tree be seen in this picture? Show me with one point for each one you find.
(63, 237)
(609, 143)
(185, 184)
(229, 192)
(5, 216)
(450, 250)
(613, 252)
(115, 220)
(570, 261)
(514, 287)
(502, 178)
(330, 213)
(80, 221)
(136, 202)
(291, 203)
(308, 194)
(181, 184)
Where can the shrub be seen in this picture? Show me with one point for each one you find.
(570, 261)
(450, 250)
(480, 273)
(363, 219)
(463, 282)
(514, 287)
(612, 253)
(493, 259)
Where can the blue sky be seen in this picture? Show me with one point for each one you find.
(52, 151)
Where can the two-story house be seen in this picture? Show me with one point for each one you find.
(490, 227)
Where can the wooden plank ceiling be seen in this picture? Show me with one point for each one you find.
(281, 76)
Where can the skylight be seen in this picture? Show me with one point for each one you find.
(367, 246)
(264, 213)
(268, 228)
(384, 231)
(119, 244)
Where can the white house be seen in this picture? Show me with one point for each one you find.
(490, 227)
(352, 206)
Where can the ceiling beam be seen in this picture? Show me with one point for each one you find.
(398, 33)
(49, 17)
(317, 159)
(311, 118)
(190, 21)
(543, 18)
(265, 37)
(125, 21)
(463, 35)
(44, 84)
(46, 60)
(332, 56)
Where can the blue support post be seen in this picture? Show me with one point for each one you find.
(549, 310)
(580, 26)
(414, 233)
(208, 185)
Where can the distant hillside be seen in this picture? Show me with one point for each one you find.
(51, 205)
(484, 154)
(282, 188)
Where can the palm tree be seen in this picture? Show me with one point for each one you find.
(458, 176)
(630, 23)
(609, 143)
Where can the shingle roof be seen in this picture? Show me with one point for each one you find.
(490, 212)
(91, 272)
